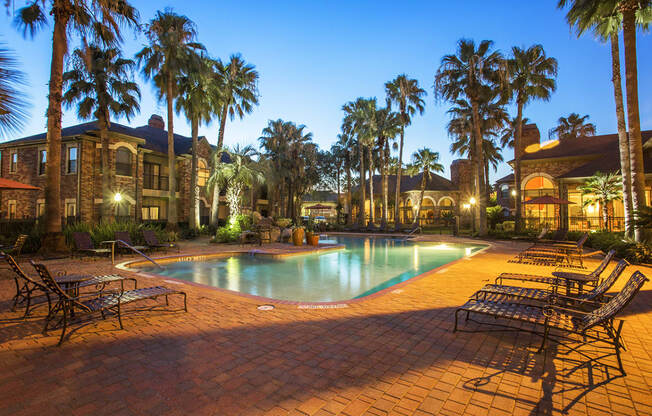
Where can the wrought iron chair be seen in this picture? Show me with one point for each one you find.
(84, 245)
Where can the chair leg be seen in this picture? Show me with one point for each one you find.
(167, 301)
(29, 302)
(455, 327)
(65, 325)
(120, 316)
(18, 293)
(185, 302)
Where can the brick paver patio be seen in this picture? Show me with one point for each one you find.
(394, 354)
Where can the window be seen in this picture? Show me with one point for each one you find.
(202, 174)
(123, 162)
(11, 209)
(122, 210)
(40, 209)
(42, 160)
(13, 161)
(504, 191)
(71, 166)
(152, 178)
(71, 209)
(150, 213)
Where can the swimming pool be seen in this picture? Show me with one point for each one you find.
(366, 265)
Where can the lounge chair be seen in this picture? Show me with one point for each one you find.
(97, 302)
(26, 287)
(126, 239)
(500, 293)
(539, 237)
(372, 228)
(152, 241)
(565, 320)
(84, 245)
(552, 245)
(556, 254)
(559, 278)
(414, 228)
(17, 247)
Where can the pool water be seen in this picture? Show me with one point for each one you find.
(365, 266)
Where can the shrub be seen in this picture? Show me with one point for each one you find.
(228, 234)
(106, 231)
(508, 226)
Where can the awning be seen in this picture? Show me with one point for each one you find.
(318, 206)
(8, 184)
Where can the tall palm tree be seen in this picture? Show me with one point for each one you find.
(509, 131)
(532, 77)
(387, 127)
(603, 189)
(13, 103)
(345, 142)
(572, 127)
(274, 142)
(426, 162)
(101, 84)
(236, 94)
(408, 96)
(470, 73)
(99, 19)
(194, 100)
(585, 11)
(172, 50)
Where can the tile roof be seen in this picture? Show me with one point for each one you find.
(508, 178)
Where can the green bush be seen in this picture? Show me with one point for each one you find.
(228, 234)
(508, 226)
(106, 231)
(626, 249)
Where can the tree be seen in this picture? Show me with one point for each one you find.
(602, 189)
(13, 103)
(102, 86)
(237, 175)
(424, 161)
(408, 96)
(532, 77)
(195, 101)
(100, 20)
(172, 51)
(345, 143)
(586, 11)
(572, 127)
(387, 127)
(469, 74)
(236, 94)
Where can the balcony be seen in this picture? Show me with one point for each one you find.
(156, 182)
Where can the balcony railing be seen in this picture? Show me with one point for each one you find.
(577, 223)
(156, 182)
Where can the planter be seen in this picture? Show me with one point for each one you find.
(297, 236)
(309, 235)
(313, 240)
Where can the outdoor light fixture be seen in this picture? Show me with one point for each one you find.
(513, 192)
(472, 201)
(466, 206)
(117, 197)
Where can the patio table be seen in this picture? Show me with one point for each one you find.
(578, 278)
(112, 242)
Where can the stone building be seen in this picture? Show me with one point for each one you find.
(558, 168)
(138, 162)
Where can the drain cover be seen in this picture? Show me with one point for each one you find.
(265, 307)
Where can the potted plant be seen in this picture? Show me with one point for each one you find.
(310, 229)
(297, 236)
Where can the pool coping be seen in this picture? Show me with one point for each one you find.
(299, 304)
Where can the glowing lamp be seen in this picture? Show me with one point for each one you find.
(513, 192)
(117, 197)
(472, 201)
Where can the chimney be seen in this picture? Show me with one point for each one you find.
(462, 175)
(156, 121)
(530, 135)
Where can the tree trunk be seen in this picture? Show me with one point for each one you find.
(349, 219)
(172, 171)
(623, 141)
(372, 205)
(633, 116)
(605, 215)
(363, 191)
(383, 171)
(53, 240)
(423, 190)
(481, 207)
(399, 172)
(194, 219)
(215, 203)
(107, 216)
(518, 220)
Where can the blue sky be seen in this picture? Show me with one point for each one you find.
(314, 56)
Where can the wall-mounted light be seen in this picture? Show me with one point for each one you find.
(466, 206)
(513, 192)
(472, 201)
(117, 197)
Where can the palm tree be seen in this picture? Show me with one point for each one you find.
(236, 94)
(586, 11)
(101, 85)
(274, 141)
(99, 19)
(532, 77)
(603, 189)
(408, 96)
(239, 174)
(13, 104)
(172, 50)
(572, 127)
(424, 161)
(470, 74)
(195, 93)
(345, 142)
(509, 131)
(388, 126)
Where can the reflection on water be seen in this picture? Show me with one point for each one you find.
(364, 267)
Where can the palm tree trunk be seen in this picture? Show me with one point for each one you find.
(106, 172)
(363, 191)
(215, 203)
(423, 190)
(172, 171)
(623, 141)
(383, 171)
(397, 195)
(349, 219)
(633, 116)
(372, 205)
(220, 133)
(53, 240)
(605, 215)
(518, 221)
(481, 206)
(194, 189)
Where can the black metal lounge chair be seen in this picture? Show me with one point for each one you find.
(554, 280)
(84, 245)
(126, 239)
(96, 302)
(502, 293)
(17, 247)
(558, 246)
(565, 320)
(558, 254)
(152, 241)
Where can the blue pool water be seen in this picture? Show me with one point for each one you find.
(365, 266)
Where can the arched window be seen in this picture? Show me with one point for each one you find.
(427, 210)
(534, 188)
(202, 173)
(123, 161)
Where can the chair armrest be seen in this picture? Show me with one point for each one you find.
(549, 309)
(97, 294)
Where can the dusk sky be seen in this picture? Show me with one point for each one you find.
(314, 56)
